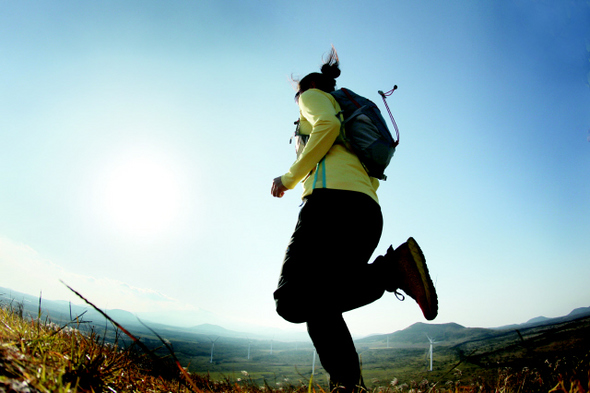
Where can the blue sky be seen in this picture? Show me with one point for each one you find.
(138, 141)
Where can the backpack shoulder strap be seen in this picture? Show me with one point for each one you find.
(349, 96)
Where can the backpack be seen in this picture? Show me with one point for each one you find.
(366, 132)
(363, 129)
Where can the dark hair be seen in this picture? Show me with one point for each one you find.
(326, 80)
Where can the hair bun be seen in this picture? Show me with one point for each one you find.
(326, 81)
(331, 70)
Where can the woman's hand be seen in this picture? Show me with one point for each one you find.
(278, 189)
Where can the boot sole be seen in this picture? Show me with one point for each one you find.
(429, 292)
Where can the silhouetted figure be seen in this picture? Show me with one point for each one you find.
(326, 270)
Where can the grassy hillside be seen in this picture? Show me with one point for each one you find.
(41, 356)
(37, 355)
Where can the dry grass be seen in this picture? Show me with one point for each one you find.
(40, 356)
(44, 357)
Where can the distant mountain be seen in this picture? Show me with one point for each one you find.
(215, 330)
(452, 333)
(579, 312)
(539, 321)
(208, 328)
(418, 333)
(62, 311)
(184, 319)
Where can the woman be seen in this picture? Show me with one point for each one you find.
(326, 271)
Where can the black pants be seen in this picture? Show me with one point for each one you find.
(326, 272)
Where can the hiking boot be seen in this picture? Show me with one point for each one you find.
(408, 267)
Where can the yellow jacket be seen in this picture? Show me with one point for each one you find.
(322, 163)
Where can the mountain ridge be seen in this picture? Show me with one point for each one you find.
(63, 311)
(413, 334)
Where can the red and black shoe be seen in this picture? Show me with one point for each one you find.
(408, 267)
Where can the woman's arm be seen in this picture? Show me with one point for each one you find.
(319, 110)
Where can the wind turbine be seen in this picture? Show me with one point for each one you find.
(212, 346)
(430, 351)
(271, 341)
(312, 371)
(249, 342)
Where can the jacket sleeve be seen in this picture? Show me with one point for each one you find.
(319, 111)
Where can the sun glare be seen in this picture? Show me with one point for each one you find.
(142, 196)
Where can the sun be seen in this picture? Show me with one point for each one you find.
(141, 195)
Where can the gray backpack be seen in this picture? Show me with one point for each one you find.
(366, 132)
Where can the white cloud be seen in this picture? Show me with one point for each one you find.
(25, 270)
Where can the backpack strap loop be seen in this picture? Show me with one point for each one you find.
(384, 96)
